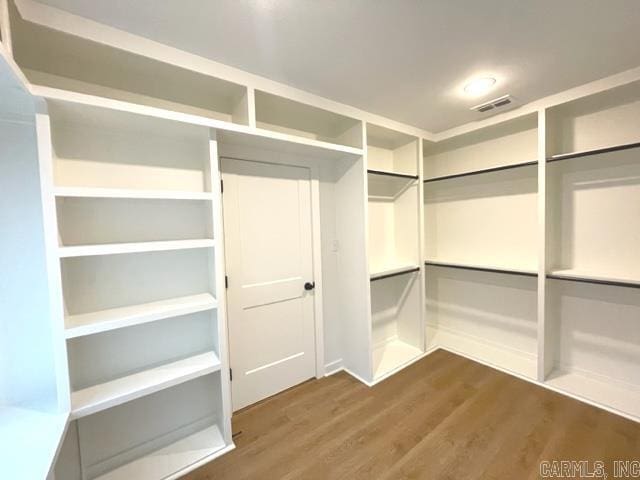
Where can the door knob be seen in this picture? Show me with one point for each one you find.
(310, 285)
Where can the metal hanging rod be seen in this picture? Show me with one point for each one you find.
(481, 269)
(478, 172)
(392, 174)
(613, 283)
(588, 153)
(395, 274)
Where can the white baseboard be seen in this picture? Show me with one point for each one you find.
(334, 367)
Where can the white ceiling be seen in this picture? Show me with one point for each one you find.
(404, 59)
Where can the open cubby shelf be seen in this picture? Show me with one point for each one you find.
(391, 356)
(147, 437)
(110, 394)
(194, 449)
(114, 318)
(54, 58)
(283, 115)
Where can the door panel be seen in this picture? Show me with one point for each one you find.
(268, 241)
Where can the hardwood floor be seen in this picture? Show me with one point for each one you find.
(445, 417)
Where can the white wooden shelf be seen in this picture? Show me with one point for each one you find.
(392, 356)
(116, 392)
(616, 396)
(394, 271)
(173, 460)
(85, 192)
(114, 318)
(136, 247)
(483, 268)
(578, 275)
(29, 441)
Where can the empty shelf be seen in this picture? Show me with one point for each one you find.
(392, 356)
(581, 276)
(388, 185)
(110, 394)
(392, 272)
(173, 458)
(29, 441)
(597, 151)
(483, 268)
(114, 318)
(479, 172)
(619, 397)
(136, 247)
(87, 192)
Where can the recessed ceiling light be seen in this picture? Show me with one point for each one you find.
(479, 86)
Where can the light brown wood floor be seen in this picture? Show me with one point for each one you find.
(445, 417)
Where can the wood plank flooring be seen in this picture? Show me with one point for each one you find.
(443, 418)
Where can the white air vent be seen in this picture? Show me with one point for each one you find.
(501, 103)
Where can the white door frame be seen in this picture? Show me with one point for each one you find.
(238, 152)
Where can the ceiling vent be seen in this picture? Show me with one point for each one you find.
(501, 103)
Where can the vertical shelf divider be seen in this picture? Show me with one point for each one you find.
(544, 364)
(220, 294)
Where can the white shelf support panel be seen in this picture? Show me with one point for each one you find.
(114, 318)
(137, 247)
(116, 392)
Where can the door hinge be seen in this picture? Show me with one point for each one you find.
(226, 282)
(230, 374)
(221, 186)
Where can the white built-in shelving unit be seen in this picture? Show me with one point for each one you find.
(137, 212)
(394, 212)
(511, 241)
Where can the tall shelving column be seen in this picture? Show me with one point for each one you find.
(480, 225)
(394, 210)
(135, 208)
(593, 286)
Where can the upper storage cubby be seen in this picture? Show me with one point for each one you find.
(103, 152)
(605, 120)
(287, 116)
(508, 144)
(52, 58)
(392, 164)
(480, 195)
(393, 201)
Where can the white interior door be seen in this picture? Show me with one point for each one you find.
(268, 244)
